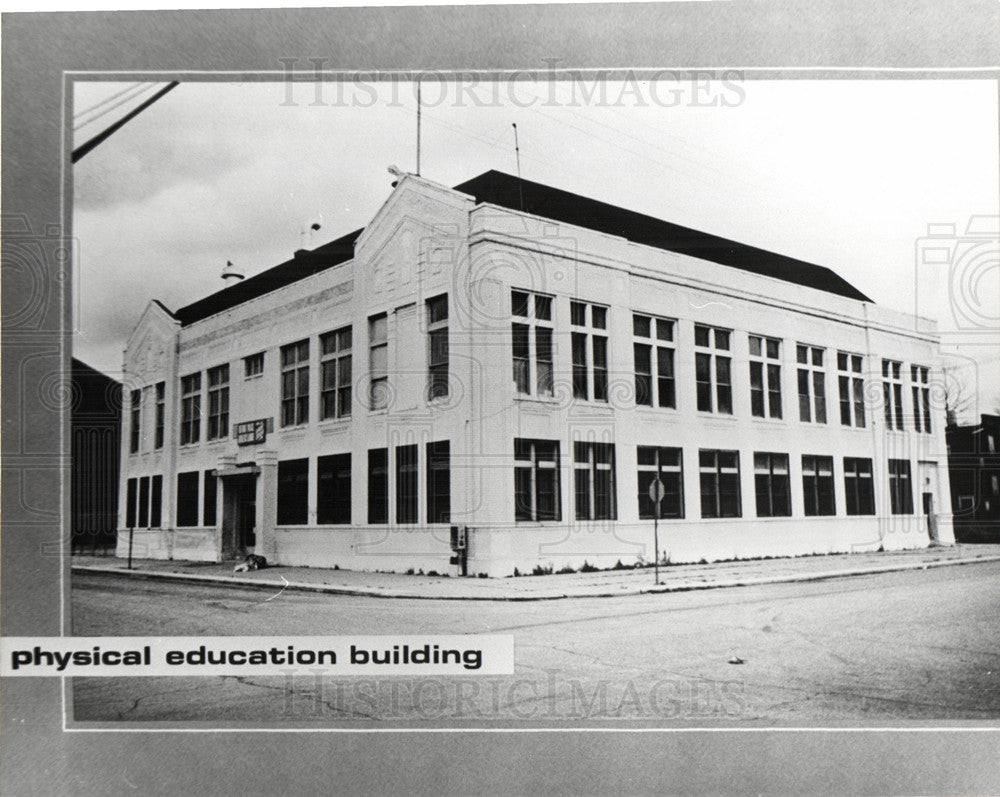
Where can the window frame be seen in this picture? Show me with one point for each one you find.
(767, 367)
(900, 500)
(661, 390)
(857, 501)
(336, 358)
(712, 393)
(772, 486)
(378, 374)
(334, 503)
(437, 365)
(529, 463)
(716, 471)
(292, 504)
(920, 387)
(590, 460)
(218, 403)
(532, 326)
(892, 394)
(190, 409)
(295, 364)
(851, 387)
(811, 376)
(670, 474)
(813, 483)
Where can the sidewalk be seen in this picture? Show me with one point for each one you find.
(607, 583)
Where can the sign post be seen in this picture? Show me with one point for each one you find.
(656, 493)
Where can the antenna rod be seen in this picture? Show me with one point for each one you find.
(418, 127)
(517, 152)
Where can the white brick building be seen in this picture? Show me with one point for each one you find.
(525, 375)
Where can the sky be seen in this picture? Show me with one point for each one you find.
(845, 174)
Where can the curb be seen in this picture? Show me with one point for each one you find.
(391, 594)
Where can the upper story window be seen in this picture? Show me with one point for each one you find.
(335, 374)
(135, 403)
(653, 348)
(437, 342)
(812, 383)
(161, 392)
(253, 365)
(765, 377)
(531, 332)
(191, 408)
(295, 383)
(713, 369)
(920, 382)
(590, 350)
(892, 393)
(218, 402)
(378, 362)
(852, 389)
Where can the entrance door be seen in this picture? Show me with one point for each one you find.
(931, 517)
(928, 474)
(239, 515)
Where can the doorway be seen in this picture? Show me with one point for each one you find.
(239, 515)
(928, 486)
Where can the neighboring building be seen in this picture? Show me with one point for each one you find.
(974, 472)
(96, 418)
(509, 367)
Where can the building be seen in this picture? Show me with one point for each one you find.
(96, 415)
(494, 376)
(974, 472)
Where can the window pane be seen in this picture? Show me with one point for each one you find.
(640, 325)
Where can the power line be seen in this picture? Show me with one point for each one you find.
(130, 88)
(83, 149)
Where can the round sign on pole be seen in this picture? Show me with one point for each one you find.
(656, 491)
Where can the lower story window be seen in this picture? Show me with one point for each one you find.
(719, 473)
(900, 489)
(663, 464)
(131, 500)
(144, 502)
(536, 480)
(817, 485)
(333, 489)
(209, 501)
(378, 485)
(859, 486)
(293, 492)
(594, 480)
(770, 473)
(406, 484)
(187, 498)
(439, 482)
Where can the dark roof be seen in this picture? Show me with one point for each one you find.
(304, 264)
(552, 203)
(502, 189)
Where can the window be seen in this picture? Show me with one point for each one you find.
(333, 489)
(533, 314)
(130, 502)
(919, 379)
(335, 373)
(712, 370)
(720, 483)
(900, 491)
(144, 502)
(892, 394)
(594, 472)
(852, 389)
(439, 482)
(135, 402)
(209, 500)
(650, 336)
(859, 486)
(406, 484)
(536, 480)
(771, 484)
(218, 402)
(817, 485)
(156, 502)
(437, 341)
(253, 365)
(161, 390)
(378, 485)
(765, 377)
(589, 346)
(378, 362)
(295, 383)
(131, 492)
(293, 492)
(812, 384)
(663, 464)
(187, 498)
(190, 408)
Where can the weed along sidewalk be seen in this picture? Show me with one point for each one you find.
(592, 583)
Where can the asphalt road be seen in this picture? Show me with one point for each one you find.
(872, 651)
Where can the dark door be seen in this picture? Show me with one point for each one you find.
(246, 518)
(929, 514)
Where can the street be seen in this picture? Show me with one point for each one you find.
(875, 651)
